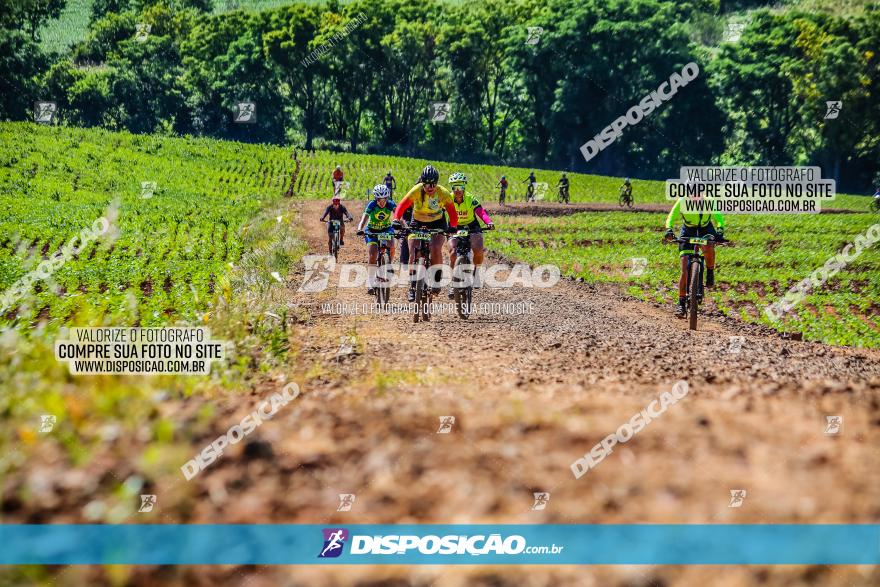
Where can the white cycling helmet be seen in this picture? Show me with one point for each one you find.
(381, 191)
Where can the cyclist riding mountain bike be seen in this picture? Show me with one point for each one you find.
(530, 189)
(503, 185)
(694, 224)
(377, 218)
(428, 200)
(390, 183)
(338, 178)
(469, 210)
(563, 186)
(336, 211)
(626, 189)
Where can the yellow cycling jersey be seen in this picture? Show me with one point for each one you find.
(466, 209)
(428, 208)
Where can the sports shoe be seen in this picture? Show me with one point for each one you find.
(411, 295)
(371, 291)
(681, 310)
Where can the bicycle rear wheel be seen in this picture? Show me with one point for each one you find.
(382, 285)
(693, 294)
(421, 288)
(462, 293)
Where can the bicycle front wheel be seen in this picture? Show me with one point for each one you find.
(693, 293)
(382, 285)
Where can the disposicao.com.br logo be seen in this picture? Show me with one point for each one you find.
(411, 544)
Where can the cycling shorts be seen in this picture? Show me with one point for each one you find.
(472, 227)
(694, 231)
(372, 238)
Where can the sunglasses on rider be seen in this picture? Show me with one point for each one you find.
(430, 184)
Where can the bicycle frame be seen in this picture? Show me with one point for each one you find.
(384, 239)
(422, 255)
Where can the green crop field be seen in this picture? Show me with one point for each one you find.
(173, 252)
(770, 255)
(172, 247)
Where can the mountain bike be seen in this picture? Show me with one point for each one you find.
(625, 199)
(383, 260)
(463, 273)
(335, 226)
(422, 261)
(695, 271)
(530, 192)
(563, 194)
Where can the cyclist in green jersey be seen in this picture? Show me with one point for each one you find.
(694, 224)
(377, 218)
(470, 214)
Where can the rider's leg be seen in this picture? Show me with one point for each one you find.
(437, 242)
(682, 280)
(709, 252)
(682, 286)
(329, 240)
(342, 234)
(372, 254)
(404, 252)
(453, 242)
(411, 294)
(477, 248)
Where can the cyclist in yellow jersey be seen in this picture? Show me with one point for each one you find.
(469, 210)
(428, 200)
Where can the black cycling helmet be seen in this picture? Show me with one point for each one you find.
(430, 174)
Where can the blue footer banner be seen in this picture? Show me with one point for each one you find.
(490, 544)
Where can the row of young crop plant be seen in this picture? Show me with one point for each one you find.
(364, 171)
(170, 244)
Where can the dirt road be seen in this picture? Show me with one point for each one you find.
(531, 393)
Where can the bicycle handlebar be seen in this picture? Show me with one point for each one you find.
(711, 241)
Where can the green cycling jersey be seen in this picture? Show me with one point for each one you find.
(693, 219)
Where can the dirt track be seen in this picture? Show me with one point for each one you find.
(530, 394)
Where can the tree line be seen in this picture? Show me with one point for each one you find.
(527, 82)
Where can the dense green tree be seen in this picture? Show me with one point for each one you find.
(288, 43)
(529, 81)
(21, 61)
